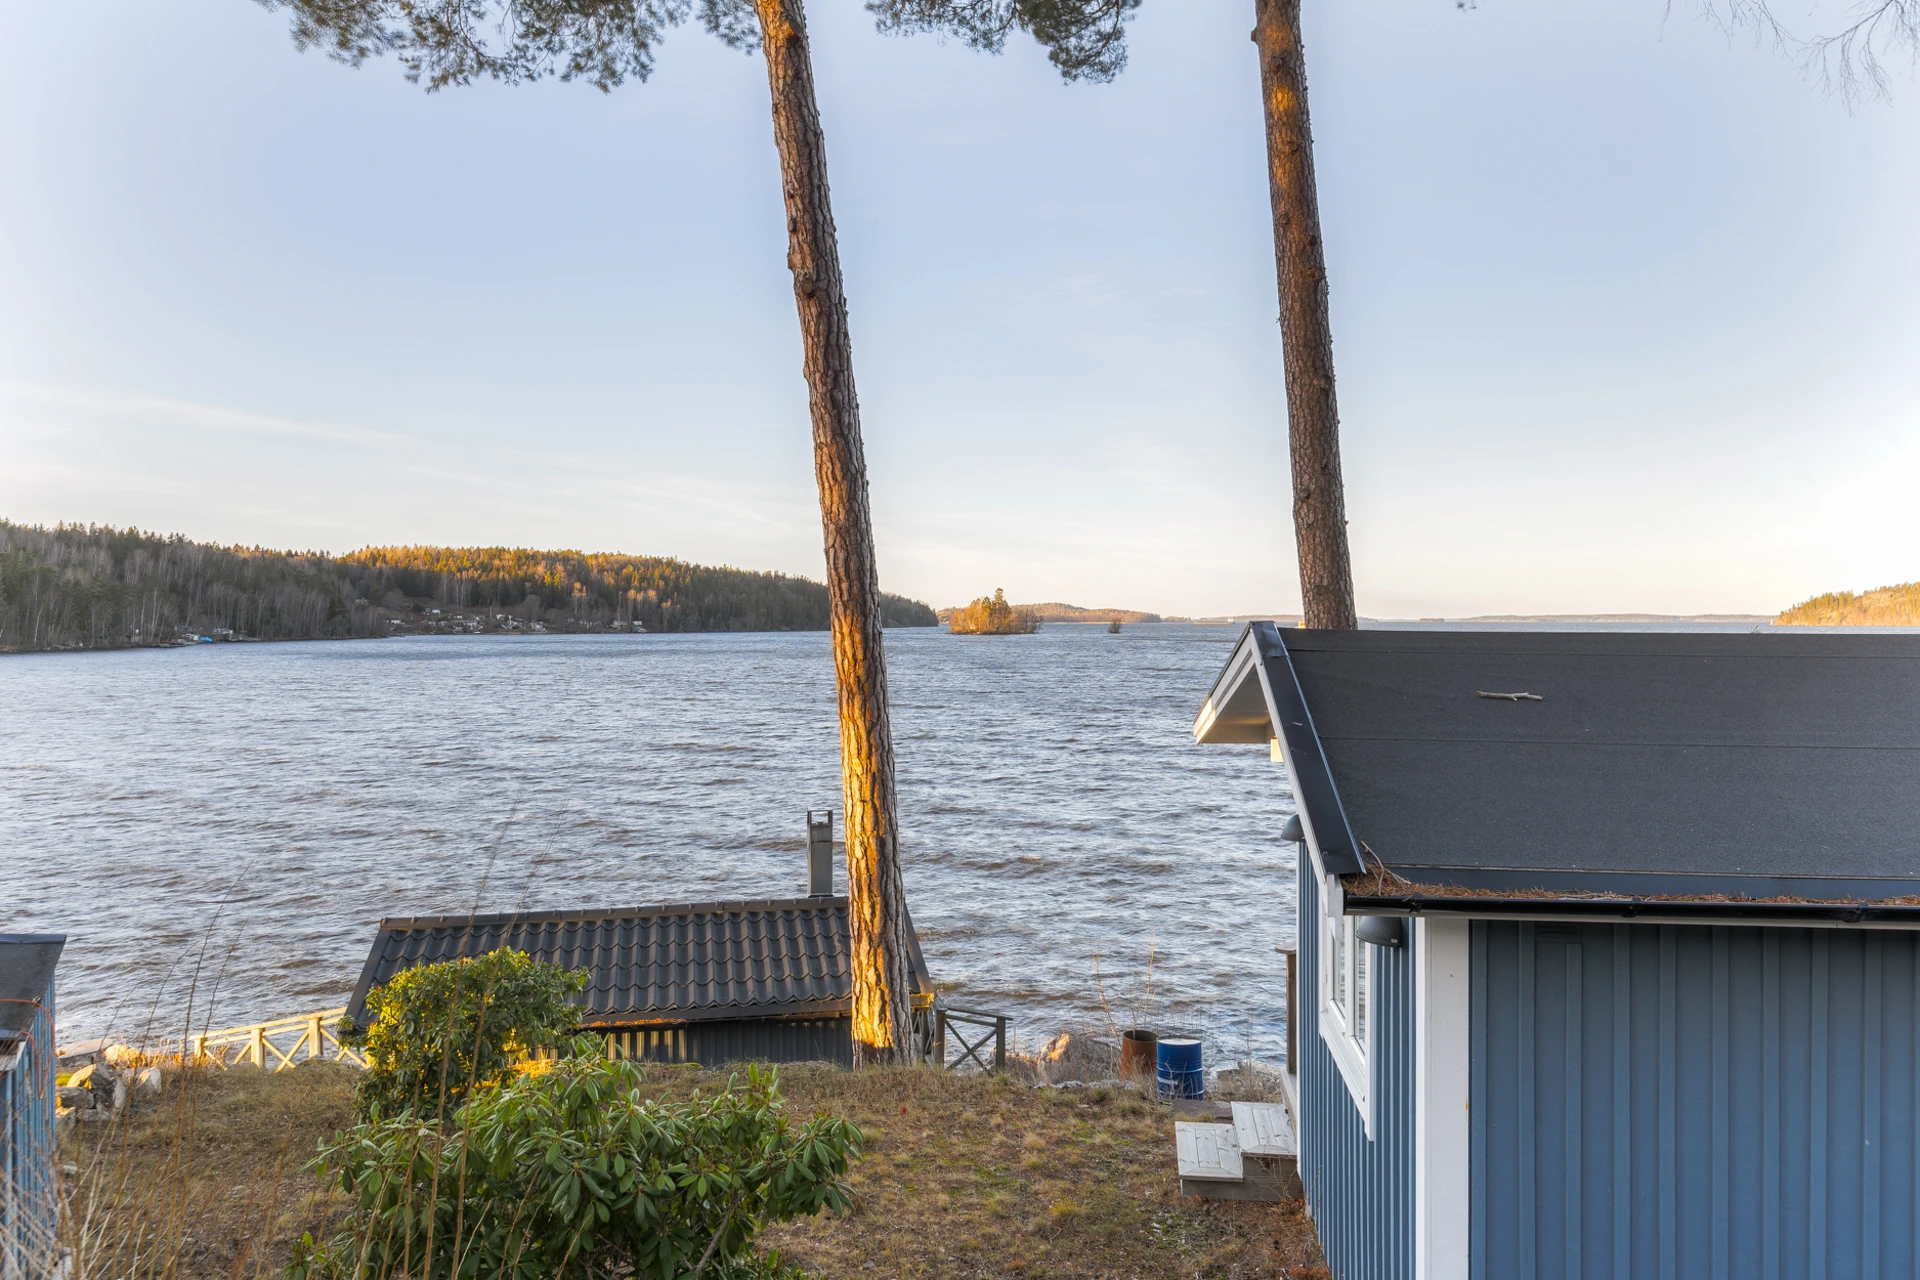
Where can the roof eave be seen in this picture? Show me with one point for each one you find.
(1662, 909)
(1257, 698)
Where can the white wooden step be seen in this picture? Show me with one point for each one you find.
(1264, 1129)
(1207, 1152)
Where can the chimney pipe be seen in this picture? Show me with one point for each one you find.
(820, 855)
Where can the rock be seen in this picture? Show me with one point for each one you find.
(119, 1094)
(150, 1082)
(69, 1097)
(83, 1078)
(122, 1055)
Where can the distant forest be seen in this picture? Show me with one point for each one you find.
(94, 587)
(1895, 606)
(1054, 611)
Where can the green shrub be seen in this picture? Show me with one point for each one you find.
(569, 1172)
(437, 1032)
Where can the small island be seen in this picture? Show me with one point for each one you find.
(992, 617)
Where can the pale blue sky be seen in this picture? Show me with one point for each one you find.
(1626, 317)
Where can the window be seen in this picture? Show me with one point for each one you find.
(1345, 996)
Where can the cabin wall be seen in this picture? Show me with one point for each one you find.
(1358, 1188)
(747, 1040)
(1694, 1101)
(28, 1196)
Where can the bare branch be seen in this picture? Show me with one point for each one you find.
(1854, 62)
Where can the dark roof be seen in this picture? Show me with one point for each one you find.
(27, 961)
(703, 960)
(1652, 765)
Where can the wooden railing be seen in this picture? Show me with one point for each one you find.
(276, 1045)
(951, 1017)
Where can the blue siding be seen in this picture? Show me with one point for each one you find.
(1359, 1190)
(1694, 1101)
(28, 1195)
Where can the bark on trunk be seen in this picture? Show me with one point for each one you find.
(1306, 330)
(882, 983)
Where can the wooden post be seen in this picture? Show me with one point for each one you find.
(1293, 1000)
(257, 1045)
(999, 1044)
(940, 1034)
(318, 1046)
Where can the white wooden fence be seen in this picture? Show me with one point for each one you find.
(276, 1045)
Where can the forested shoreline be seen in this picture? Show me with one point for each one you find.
(1895, 606)
(97, 587)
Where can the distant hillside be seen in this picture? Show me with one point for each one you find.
(93, 587)
(1054, 611)
(1897, 606)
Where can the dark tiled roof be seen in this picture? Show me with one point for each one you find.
(703, 960)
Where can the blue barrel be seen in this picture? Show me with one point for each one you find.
(1181, 1076)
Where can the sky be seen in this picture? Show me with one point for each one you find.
(1626, 313)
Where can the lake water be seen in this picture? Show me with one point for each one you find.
(248, 813)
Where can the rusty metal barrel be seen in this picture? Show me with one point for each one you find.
(1137, 1055)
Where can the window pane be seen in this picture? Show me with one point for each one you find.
(1337, 961)
(1360, 956)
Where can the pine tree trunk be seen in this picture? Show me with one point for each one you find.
(882, 986)
(1306, 330)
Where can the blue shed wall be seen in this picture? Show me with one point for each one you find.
(28, 1196)
(1694, 1101)
(1359, 1189)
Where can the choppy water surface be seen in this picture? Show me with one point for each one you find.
(265, 805)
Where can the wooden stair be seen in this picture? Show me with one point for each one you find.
(1256, 1157)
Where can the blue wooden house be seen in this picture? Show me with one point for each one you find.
(29, 1191)
(1609, 948)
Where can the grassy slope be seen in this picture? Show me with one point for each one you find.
(1896, 606)
(964, 1176)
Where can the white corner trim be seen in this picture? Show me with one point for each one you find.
(1442, 1089)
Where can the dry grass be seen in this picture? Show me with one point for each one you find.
(208, 1180)
(970, 1176)
(964, 1176)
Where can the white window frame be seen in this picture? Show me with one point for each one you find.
(1352, 1053)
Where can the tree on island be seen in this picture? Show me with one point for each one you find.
(446, 42)
(993, 617)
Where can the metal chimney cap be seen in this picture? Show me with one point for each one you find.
(1294, 832)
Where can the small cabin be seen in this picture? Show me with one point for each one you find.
(1608, 947)
(29, 1190)
(768, 980)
